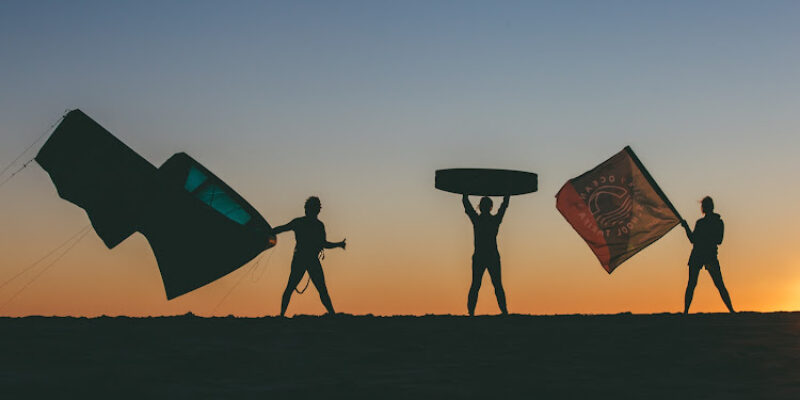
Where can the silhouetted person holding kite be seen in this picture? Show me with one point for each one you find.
(485, 227)
(309, 234)
(706, 237)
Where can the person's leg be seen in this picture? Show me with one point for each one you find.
(694, 271)
(316, 275)
(716, 274)
(296, 274)
(477, 276)
(494, 273)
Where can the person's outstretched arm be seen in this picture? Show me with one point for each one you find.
(689, 233)
(468, 207)
(332, 245)
(502, 210)
(283, 228)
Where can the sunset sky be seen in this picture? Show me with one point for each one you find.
(360, 102)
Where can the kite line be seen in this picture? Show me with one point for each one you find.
(27, 149)
(26, 269)
(257, 272)
(242, 276)
(16, 172)
(67, 245)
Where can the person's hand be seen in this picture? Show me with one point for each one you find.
(343, 244)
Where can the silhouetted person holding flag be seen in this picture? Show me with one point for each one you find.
(706, 237)
(309, 234)
(485, 227)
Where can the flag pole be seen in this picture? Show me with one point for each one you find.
(652, 181)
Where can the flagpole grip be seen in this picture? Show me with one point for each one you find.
(652, 182)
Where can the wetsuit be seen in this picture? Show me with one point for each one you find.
(309, 233)
(486, 256)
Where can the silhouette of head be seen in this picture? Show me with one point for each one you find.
(485, 205)
(313, 206)
(707, 205)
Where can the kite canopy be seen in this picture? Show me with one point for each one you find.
(198, 227)
(96, 171)
(201, 230)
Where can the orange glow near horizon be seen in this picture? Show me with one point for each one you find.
(547, 269)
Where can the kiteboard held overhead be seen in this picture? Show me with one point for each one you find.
(485, 181)
(485, 225)
(199, 228)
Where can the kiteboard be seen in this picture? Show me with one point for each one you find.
(486, 182)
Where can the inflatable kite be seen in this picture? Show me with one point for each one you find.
(198, 227)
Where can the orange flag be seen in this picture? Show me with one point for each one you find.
(617, 208)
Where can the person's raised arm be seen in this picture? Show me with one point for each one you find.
(503, 206)
(689, 233)
(468, 207)
(332, 245)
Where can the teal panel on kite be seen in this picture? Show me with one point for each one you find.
(197, 184)
(198, 227)
(194, 179)
(206, 187)
(216, 197)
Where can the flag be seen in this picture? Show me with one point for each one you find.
(617, 208)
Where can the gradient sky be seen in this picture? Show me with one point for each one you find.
(360, 102)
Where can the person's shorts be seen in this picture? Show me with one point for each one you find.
(708, 262)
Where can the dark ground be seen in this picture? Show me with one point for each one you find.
(748, 355)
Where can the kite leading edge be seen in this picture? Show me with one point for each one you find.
(198, 227)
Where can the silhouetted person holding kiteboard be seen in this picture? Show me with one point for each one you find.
(309, 234)
(707, 235)
(485, 227)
